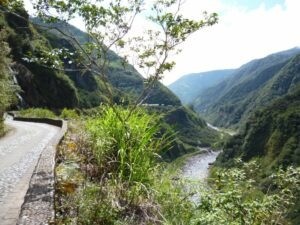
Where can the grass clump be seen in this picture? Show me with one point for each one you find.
(128, 147)
(37, 113)
(119, 161)
(69, 114)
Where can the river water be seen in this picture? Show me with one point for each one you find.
(197, 167)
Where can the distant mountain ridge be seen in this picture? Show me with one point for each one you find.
(190, 86)
(253, 85)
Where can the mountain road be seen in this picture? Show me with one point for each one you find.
(20, 150)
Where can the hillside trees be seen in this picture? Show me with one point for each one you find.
(6, 86)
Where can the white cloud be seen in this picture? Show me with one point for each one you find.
(240, 36)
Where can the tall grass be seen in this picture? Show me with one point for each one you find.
(126, 150)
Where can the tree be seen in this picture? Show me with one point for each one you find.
(110, 26)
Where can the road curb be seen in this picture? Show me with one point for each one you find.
(38, 205)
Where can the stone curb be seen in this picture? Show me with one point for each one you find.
(38, 206)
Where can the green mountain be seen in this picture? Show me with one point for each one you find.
(190, 86)
(42, 86)
(271, 134)
(253, 85)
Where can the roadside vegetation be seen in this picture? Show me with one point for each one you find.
(111, 172)
(7, 96)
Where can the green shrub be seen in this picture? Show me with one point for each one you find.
(37, 113)
(234, 198)
(69, 114)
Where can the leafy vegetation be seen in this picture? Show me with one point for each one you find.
(7, 96)
(234, 197)
(69, 114)
(107, 178)
(36, 113)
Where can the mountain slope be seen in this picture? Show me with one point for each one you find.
(251, 86)
(44, 86)
(272, 134)
(188, 87)
(40, 86)
(123, 78)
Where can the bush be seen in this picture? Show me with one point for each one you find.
(125, 149)
(7, 96)
(235, 199)
(69, 114)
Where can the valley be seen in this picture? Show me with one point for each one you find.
(136, 151)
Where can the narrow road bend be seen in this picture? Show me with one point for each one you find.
(19, 153)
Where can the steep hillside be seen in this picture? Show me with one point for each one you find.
(43, 86)
(251, 86)
(126, 81)
(271, 134)
(189, 131)
(190, 86)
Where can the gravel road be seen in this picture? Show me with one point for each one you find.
(19, 153)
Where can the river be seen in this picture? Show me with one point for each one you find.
(197, 166)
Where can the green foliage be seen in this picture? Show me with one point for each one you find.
(36, 113)
(271, 134)
(129, 147)
(234, 198)
(7, 96)
(69, 114)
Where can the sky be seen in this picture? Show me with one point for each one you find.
(247, 29)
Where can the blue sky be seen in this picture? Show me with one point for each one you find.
(253, 4)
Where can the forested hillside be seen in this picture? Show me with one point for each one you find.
(271, 133)
(44, 86)
(253, 85)
(272, 137)
(190, 86)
